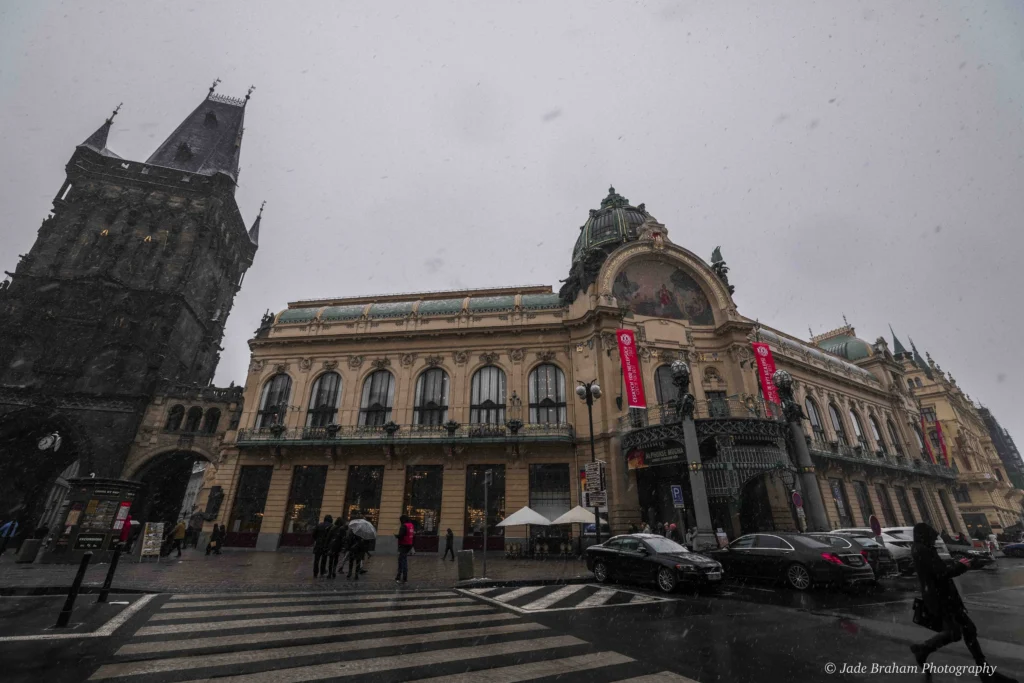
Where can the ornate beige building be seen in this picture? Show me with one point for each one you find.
(399, 404)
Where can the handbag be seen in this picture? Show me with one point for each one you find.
(924, 617)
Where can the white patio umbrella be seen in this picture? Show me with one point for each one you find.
(578, 515)
(526, 516)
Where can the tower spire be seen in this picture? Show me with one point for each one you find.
(254, 231)
(897, 348)
(208, 141)
(98, 140)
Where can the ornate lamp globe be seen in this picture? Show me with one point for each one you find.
(595, 391)
(581, 391)
(680, 368)
(782, 379)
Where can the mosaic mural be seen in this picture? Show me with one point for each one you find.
(662, 290)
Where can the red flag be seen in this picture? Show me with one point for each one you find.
(631, 369)
(765, 370)
(942, 442)
(927, 440)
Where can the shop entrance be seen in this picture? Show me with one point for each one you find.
(654, 490)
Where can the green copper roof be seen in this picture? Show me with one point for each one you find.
(897, 347)
(492, 303)
(850, 348)
(297, 315)
(539, 301)
(440, 307)
(352, 312)
(391, 309)
(614, 223)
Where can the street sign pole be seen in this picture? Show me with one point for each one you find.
(487, 510)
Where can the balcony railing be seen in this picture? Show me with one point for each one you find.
(395, 433)
(714, 409)
(861, 454)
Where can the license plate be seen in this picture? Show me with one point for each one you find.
(714, 576)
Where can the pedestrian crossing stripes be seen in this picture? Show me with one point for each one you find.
(553, 598)
(382, 636)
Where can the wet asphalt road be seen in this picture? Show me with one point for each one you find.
(758, 632)
(754, 632)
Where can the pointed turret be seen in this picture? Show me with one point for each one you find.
(920, 362)
(897, 347)
(97, 142)
(209, 140)
(254, 231)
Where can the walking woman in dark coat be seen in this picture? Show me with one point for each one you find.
(321, 534)
(335, 544)
(942, 599)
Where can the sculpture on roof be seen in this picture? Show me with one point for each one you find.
(720, 269)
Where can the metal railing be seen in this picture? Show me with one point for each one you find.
(713, 409)
(859, 453)
(406, 433)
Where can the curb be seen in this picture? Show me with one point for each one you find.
(515, 583)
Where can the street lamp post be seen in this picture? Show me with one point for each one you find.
(590, 392)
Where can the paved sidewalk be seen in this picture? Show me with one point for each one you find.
(242, 570)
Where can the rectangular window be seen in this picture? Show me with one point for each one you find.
(247, 510)
(887, 510)
(362, 495)
(422, 503)
(928, 414)
(473, 534)
(904, 503)
(961, 494)
(842, 507)
(864, 499)
(549, 495)
(303, 510)
(718, 406)
(922, 507)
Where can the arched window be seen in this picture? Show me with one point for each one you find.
(431, 406)
(837, 423)
(876, 433)
(192, 420)
(487, 396)
(547, 395)
(814, 417)
(917, 381)
(211, 420)
(858, 429)
(933, 436)
(174, 418)
(895, 436)
(664, 390)
(378, 397)
(910, 384)
(274, 401)
(323, 400)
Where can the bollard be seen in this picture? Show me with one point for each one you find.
(110, 576)
(69, 604)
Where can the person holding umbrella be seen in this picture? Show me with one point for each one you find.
(363, 533)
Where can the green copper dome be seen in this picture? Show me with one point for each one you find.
(850, 348)
(613, 224)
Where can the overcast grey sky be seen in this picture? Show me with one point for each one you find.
(857, 158)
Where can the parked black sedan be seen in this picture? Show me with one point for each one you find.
(797, 559)
(645, 558)
(879, 557)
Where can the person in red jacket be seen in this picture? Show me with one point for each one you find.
(405, 535)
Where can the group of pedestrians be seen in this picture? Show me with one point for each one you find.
(669, 531)
(334, 541)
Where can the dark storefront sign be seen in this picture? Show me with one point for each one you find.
(671, 453)
(95, 513)
(90, 541)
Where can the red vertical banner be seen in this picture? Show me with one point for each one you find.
(927, 440)
(631, 369)
(942, 442)
(765, 370)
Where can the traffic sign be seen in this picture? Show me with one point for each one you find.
(595, 499)
(798, 501)
(876, 528)
(595, 476)
(677, 496)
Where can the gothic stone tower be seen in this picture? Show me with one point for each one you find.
(128, 284)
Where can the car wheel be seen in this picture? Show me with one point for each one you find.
(798, 577)
(600, 572)
(667, 580)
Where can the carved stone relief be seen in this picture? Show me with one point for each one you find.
(434, 361)
(488, 358)
(381, 363)
(461, 357)
(355, 362)
(407, 359)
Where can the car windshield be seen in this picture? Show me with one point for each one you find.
(665, 545)
(868, 542)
